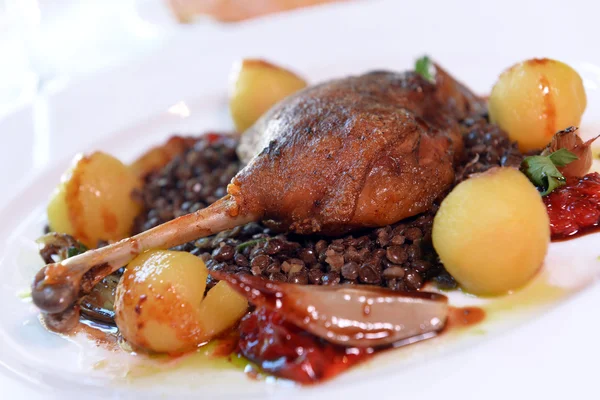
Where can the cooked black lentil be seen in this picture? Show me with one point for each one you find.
(189, 182)
(399, 256)
(486, 146)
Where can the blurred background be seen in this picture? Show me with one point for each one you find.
(47, 44)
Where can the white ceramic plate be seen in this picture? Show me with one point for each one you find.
(533, 345)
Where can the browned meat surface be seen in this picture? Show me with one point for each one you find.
(356, 152)
(352, 153)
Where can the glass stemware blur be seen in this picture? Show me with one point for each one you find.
(69, 38)
(55, 42)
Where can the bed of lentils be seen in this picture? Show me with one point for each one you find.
(399, 256)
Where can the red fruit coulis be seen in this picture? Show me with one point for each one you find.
(574, 209)
(287, 351)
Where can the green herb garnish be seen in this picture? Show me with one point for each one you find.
(542, 171)
(76, 250)
(562, 157)
(249, 243)
(425, 68)
(24, 294)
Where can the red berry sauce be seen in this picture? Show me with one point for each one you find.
(287, 351)
(574, 209)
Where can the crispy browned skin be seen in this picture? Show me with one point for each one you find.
(351, 153)
(356, 152)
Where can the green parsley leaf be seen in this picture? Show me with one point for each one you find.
(542, 171)
(425, 68)
(562, 157)
(76, 250)
(250, 243)
(24, 294)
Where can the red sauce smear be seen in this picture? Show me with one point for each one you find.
(101, 334)
(284, 350)
(226, 345)
(462, 317)
(574, 209)
(287, 351)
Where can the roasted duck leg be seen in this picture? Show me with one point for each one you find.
(357, 152)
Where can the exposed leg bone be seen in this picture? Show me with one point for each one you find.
(58, 286)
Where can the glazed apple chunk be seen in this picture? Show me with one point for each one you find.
(94, 200)
(535, 99)
(160, 304)
(492, 232)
